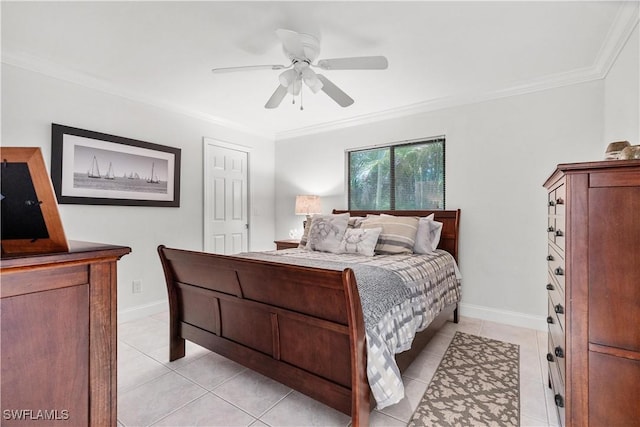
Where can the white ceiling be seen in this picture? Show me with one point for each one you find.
(440, 53)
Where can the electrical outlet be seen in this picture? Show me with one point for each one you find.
(136, 287)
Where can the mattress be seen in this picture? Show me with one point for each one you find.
(400, 296)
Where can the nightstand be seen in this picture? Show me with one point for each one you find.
(286, 243)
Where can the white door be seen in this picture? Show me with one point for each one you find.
(225, 199)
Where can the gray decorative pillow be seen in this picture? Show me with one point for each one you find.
(398, 234)
(360, 241)
(326, 232)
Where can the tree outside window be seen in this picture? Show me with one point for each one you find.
(398, 177)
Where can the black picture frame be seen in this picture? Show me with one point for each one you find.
(93, 168)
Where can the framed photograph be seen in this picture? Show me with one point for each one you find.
(30, 218)
(92, 168)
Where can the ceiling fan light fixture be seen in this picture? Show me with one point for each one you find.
(315, 85)
(295, 87)
(311, 79)
(288, 77)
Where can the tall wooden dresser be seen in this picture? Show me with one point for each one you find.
(58, 320)
(594, 292)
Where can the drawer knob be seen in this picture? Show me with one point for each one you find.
(552, 203)
(559, 401)
(559, 201)
(550, 357)
(550, 320)
(549, 257)
(558, 352)
(550, 229)
(558, 233)
(549, 287)
(559, 271)
(558, 309)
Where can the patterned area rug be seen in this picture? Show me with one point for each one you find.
(476, 384)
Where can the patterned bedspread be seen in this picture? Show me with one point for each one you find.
(400, 296)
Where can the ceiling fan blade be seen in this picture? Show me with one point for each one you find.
(276, 98)
(291, 42)
(249, 68)
(355, 63)
(335, 92)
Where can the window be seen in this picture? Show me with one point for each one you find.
(403, 176)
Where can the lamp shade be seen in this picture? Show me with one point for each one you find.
(308, 205)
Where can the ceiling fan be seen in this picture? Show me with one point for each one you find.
(302, 50)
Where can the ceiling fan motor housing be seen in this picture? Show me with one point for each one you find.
(310, 46)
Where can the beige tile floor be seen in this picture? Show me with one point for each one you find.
(205, 389)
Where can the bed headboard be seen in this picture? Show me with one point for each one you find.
(450, 220)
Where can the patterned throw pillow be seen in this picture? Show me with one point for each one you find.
(360, 241)
(326, 232)
(398, 233)
(428, 235)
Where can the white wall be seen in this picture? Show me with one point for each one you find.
(498, 155)
(622, 94)
(32, 101)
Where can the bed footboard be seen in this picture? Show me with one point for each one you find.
(301, 326)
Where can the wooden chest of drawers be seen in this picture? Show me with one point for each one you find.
(593, 289)
(59, 338)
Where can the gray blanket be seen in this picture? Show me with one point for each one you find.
(380, 289)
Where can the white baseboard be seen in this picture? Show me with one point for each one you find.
(503, 316)
(141, 311)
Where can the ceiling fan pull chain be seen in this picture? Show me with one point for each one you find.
(301, 107)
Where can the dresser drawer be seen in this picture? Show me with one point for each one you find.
(556, 300)
(556, 200)
(556, 231)
(613, 390)
(556, 329)
(559, 234)
(556, 351)
(556, 267)
(560, 197)
(557, 384)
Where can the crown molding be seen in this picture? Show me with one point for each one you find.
(626, 21)
(623, 26)
(551, 82)
(51, 69)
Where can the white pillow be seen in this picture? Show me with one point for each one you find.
(360, 241)
(428, 235)
(326, 232)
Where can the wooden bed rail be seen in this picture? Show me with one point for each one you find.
(301, 326)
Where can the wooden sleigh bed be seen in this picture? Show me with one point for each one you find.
(301, 326)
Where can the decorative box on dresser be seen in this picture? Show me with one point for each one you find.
(58, 350)
(594, 292)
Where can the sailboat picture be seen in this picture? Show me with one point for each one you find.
(125, 172)
(97, 168)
